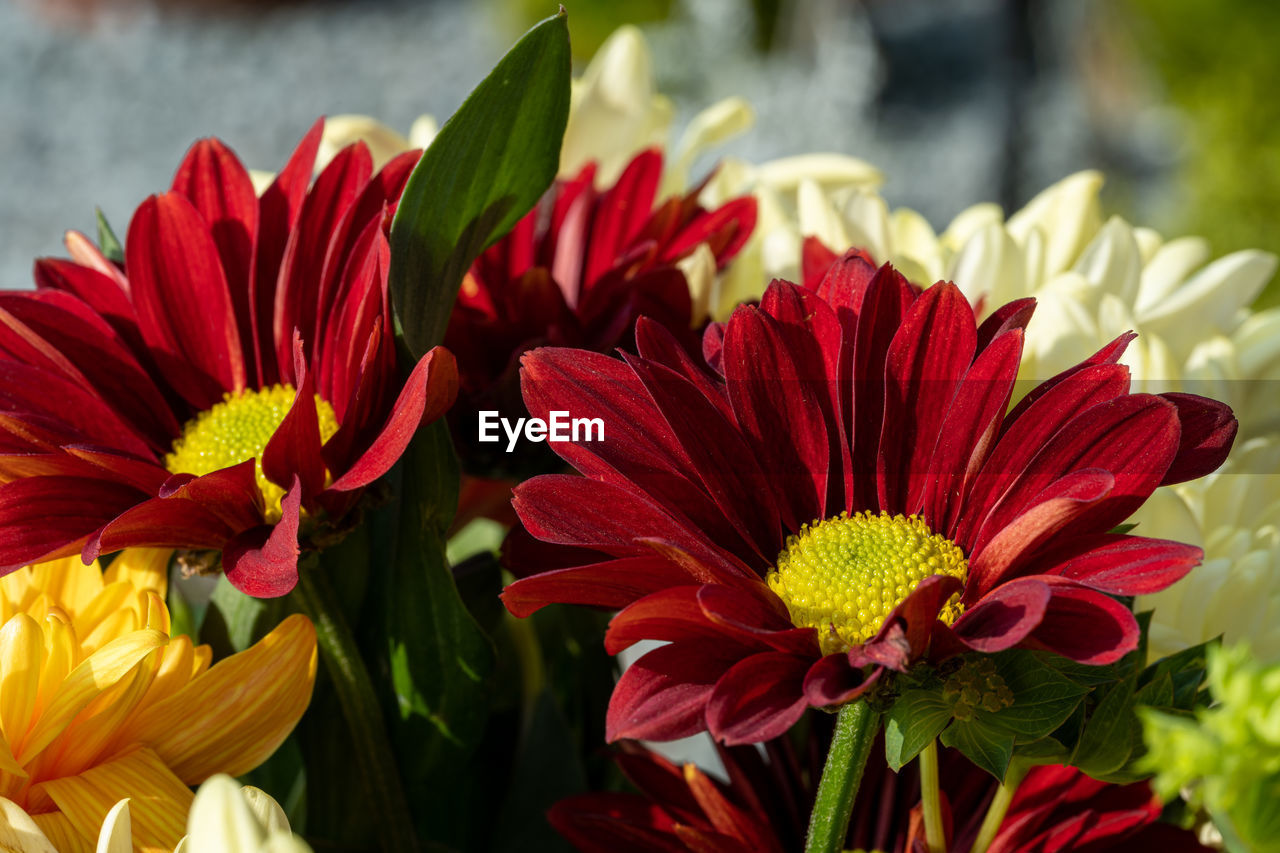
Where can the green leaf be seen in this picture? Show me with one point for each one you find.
(235, 621)
(439, 656)
(914, 720)
(1042, 697)
(488, 166)
(107, 240)
(547, 769)
(989, 748)
(1108, 736)
(437, 659)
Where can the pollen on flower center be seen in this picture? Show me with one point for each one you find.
(843, 576)
(237, 429)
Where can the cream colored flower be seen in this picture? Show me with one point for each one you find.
(1234, 515)
(228, 818)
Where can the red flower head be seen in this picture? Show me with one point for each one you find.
(233, 385)
(764, 808)
(839, 491)
(577, 271)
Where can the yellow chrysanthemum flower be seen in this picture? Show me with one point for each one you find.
(98, 702)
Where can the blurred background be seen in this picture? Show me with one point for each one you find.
(957, 102)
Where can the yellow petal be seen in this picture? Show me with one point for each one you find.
(145, 569)
(19, 833)
(104, 605)
(221, 821)
(21, 654)
(94, 674)
(9, 764)
(64, 837)
(117, 830)
(158, 801)
(68, 581)
(231, 718)
(62, 654)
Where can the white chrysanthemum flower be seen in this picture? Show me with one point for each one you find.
(1234, 515)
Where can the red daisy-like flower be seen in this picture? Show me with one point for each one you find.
(578, 271)
(763, 807)
(233, 384)
(839, 491)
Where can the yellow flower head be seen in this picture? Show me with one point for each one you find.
(98, 702)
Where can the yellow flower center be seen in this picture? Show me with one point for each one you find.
(844, 576)
(237, 429)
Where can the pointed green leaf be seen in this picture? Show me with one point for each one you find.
(488, 166)
(989, 748)
(914, 720)
(1042, 697)
(1108, 736)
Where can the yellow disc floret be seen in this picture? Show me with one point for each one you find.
(237, 429)
(844, 575)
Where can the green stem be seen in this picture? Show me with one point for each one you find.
(935, 837)
(369, 742)
(856, 728)
(999, 807)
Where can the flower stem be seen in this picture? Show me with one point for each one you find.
(369, 742)
(856, 728)
(999, 807)
(935, 837)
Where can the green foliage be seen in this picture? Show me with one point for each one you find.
(1218, 63)
(488, 166)
(1228, 754)
(1039, 708)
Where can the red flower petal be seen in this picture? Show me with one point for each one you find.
(298, 293)
(1022, 438)
(784, 424)
(1084, 625)
(1122, 565)
(279, 208)
(612, 584)
(1062, 502)
(758, 699)
(968, 431)
(924, 364)
(1005, 616)
(218, 186)
(263, 562)
(832, 680)
(293, 451)
(1208, 431)
(427, 393)
(663, 695)
(184, 307)
(46, 517)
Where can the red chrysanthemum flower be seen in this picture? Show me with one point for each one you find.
(233, 384)
(764, 805)
(578, 271)
(839, 491)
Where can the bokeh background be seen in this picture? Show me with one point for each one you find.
(957, 102)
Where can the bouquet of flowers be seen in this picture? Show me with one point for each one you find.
(416, 495)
